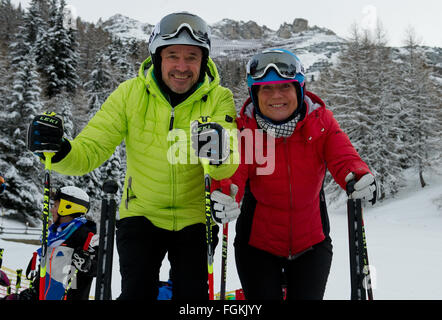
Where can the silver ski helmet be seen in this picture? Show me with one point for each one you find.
(169, 31)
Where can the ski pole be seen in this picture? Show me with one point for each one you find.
(208, 210)
(224, 262)
(224, 187)
(18, 281)
(359, 266)
(4, 280)
(44, 233)
(365, 264)
(209, 239)
(106, 242)
(30, 272)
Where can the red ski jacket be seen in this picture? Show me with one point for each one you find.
(287, 218)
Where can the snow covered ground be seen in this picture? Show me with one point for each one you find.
(404, 239)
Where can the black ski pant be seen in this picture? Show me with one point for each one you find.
(142, 248)
(263, 275)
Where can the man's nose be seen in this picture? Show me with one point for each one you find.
(181, 65)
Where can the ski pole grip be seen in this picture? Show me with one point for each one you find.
(110, 186)
(351, 186)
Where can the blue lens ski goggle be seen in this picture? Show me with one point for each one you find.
(285, 64)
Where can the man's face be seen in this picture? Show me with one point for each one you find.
(180, 66)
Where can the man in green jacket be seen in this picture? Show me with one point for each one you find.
(162, 209)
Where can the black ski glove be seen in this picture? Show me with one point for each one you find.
(45, 134)
(84, 260)
(211, 141)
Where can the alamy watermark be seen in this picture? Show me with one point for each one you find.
(257, 148)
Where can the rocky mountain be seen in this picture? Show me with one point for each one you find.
(234, 42)
(314, 45)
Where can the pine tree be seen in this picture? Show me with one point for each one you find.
(360, 92)
(58, 58)
(100, 85)
(420, 100)
(34, 22)
(21, 166)
(118, 56)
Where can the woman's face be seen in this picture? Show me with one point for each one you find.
(277, 101)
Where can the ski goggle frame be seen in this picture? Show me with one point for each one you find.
(285, 64)
(172, 24)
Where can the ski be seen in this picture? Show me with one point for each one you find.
(106, 242)
(358, 253)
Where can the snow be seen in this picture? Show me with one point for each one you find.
(403, 240)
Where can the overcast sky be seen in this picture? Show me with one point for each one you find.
(395, 15)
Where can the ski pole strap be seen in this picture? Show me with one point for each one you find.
(222, 185)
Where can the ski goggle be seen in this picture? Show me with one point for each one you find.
(285, 64)
(172, 24)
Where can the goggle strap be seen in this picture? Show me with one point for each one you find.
(273, 82)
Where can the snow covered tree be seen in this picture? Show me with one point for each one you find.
(34, 21)
(421, 105)
(20, 166)
(118, 56)
(10, 19)
(100, 85)
(58, 58)
(359, 90)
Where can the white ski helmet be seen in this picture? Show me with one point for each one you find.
(73, 200)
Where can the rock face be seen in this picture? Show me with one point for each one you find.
(286, 30)
(299, 25)
(236, 30)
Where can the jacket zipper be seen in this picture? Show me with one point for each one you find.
(286, 147)
(172, 118)
(173, 184)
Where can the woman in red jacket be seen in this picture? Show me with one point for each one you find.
(282, 233)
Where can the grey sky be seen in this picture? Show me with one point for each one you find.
(395, 15)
